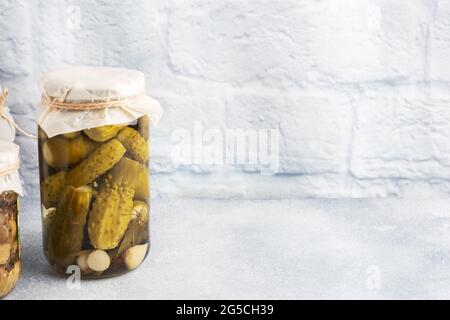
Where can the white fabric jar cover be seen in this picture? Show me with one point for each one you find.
(9, 168)
(120, 91)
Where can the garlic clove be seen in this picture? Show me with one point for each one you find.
(135, 255)
(82, 262)
(98, 260)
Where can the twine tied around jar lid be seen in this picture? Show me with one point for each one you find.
(60, 103)
(11, 169)
(76, 98)
(3, 97)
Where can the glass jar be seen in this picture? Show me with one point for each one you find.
(10, 189)
(95, 180)
(10, 264)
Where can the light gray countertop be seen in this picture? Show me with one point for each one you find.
(290, 249)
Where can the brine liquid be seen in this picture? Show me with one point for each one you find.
(95, 198)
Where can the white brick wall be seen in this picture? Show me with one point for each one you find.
(358, 88)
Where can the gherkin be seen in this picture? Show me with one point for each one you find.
(51, 188)
(135, 144)
(96, 164)
(104, 133)
(72, 135)
(67, 226)
(112, 209)
(142, 185)
(62, 152)
(144, 128)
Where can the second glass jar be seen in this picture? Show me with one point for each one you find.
(10, 263)
(95, 198)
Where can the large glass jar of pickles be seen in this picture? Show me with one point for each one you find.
(10, 188)
(94, 169)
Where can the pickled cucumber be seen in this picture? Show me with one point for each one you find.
(144, 127)
(112, 208)
(51, 188)
(97, 163)
(72, 135)
(135, 144)
(142, 185)
(67, 225)
(62, 152)
(102, 134)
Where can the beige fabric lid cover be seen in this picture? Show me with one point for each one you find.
(89, 85)
(9, 168)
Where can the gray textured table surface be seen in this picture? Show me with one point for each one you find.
(305, 249)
